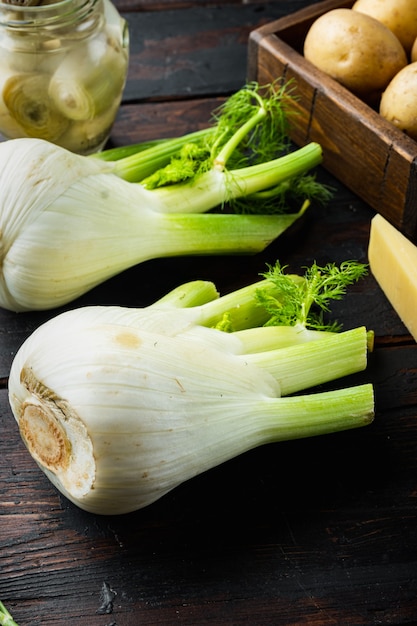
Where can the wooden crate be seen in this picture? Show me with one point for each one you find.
(365, 152)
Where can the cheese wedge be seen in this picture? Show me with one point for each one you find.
(393, 262)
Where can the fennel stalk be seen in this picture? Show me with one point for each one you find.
(6, 618)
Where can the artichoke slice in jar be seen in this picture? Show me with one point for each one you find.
(9, 127)
(26, 98)
(90, 81)
(62, 71)
(88, 136)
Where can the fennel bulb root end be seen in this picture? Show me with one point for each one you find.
(56, 438)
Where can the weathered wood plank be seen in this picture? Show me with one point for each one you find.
(286, 6)
(196, 51)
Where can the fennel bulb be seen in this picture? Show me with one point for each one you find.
(118, 406)
(68, 223)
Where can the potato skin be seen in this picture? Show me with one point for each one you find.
(399, 101)
(355, 49)
(400, 16)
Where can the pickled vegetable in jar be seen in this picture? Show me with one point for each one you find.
(63, 68)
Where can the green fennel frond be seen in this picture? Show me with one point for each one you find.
(304, 301)
(192, 159)
(263, 113)
(225, 323)
(250, 127)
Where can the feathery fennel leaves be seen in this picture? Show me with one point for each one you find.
(319, 286)
(249, 128)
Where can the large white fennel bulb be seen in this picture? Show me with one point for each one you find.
(68, 222)
(118, 406)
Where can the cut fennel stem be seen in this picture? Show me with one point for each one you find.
(71, 223)
(119, 406)
(137, 161)
(6, 618)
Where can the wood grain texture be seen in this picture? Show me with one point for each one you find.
(318, 532)
(285, 6)
(196, 51)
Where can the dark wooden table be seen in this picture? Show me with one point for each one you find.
(318, 532)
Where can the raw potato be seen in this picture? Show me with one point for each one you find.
(400, 16)
(356, 50)
(399, 100)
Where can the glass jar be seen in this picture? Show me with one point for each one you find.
(63, 67)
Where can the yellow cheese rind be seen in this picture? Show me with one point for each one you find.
(393, 262)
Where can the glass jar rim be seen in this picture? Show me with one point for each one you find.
(21, 16)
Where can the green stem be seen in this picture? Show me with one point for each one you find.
(316, 414)
(231, 145)
(308, 300)
(121, 152)
(5, 618)
(272, 192)
(274, 337)
(241, 307)
(309, 364)
(194, 293)
(215, 233)
(214, 188)
(143, 162)
(263, 176)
